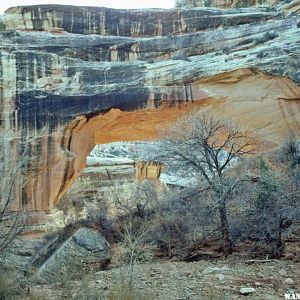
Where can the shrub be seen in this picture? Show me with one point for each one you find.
(268, 211)
(261, 54)
(208, 3)
(2, 26)
(185, 218)
(12, 285)
(226, 50)
(124, 293)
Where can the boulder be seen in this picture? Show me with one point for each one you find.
(221, 277)
(289, 281)
(282, 272)
(85, 249)
(247, 290)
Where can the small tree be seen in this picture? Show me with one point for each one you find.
(134, 238)
(205, 146)
(289, 155)
(277, 195)
(133, 202)
(14, 160)
(272, 209)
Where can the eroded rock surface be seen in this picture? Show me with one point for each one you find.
(122, 22)
(84, 249)
(64, 68)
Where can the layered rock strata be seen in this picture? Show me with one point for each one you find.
(62, 69)
(222, 3)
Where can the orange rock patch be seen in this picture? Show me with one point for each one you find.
(267, 104)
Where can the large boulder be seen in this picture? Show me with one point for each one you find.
(85, 249)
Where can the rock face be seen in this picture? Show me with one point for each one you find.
(130, 23)
(216, 3)
(63, 69)
(86, 248)
(247, 290)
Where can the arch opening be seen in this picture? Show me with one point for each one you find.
(270, 106)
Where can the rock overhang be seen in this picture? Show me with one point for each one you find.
(48, 81)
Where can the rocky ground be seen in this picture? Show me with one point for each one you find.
(219, 279)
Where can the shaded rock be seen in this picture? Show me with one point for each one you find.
(260, 274)
(282, 272)
(247, 290)
(86, 249)
(289, 281)
(221, 277)
(121, 22)
(211, 270)
(289, 256)
(20, 253)
(216, 3)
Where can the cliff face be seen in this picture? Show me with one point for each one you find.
(63, 68)
(221, 3)
(130, 23)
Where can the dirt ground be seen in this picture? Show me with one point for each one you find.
(215, 280)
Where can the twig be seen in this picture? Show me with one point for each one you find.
(260, 261)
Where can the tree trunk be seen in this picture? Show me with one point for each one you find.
(227, 245)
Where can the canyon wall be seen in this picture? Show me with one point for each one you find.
(222, 3)
(83, 76)
(122, 22)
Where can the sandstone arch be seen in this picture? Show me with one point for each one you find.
(271, 106)
(59, 65)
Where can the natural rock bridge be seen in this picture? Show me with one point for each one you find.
(98, 75)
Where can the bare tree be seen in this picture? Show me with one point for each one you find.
(277, 194)
(133, 198)
(14, 160)
(133, 201)
(134, 239)
(289, 154)
(202, 145)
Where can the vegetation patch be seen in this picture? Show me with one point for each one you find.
(2, 26)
